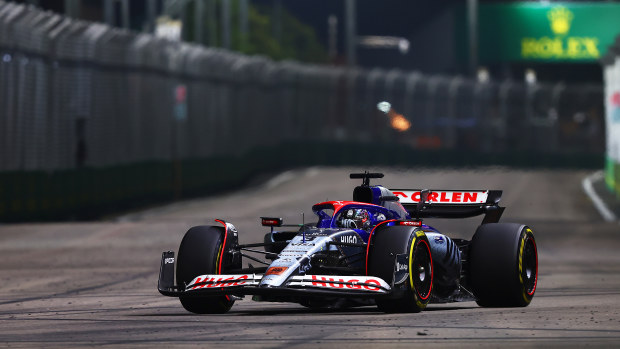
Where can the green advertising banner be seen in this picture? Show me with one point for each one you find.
(551, 31)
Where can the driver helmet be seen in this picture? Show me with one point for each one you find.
(355, 219)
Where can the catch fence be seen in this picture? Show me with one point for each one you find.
(92, 116)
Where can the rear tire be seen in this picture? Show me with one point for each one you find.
(386, 243)
(199, 254)
(503, 265)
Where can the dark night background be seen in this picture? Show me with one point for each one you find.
(437, 34)
(436, 30)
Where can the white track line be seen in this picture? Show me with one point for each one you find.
(280, 179)
(608, 216)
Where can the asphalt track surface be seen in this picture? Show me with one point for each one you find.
(94, 284)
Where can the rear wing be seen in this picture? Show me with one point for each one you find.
(451, 203)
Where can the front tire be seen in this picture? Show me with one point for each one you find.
(503, 265)
(386, 244)
(199, 254)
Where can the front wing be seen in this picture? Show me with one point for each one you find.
(249, 284)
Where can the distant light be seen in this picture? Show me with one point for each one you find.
(6, 58)
(403, 46)
(168, 28)
(397, 121)
(400, 123)
(483, 75)
(530, 76)
(384, 106)
(384, 42)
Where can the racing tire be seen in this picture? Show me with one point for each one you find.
(386, 243)
(503, 269)
(199, 254)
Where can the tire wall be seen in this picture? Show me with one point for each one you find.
(96, 119)
(611, 69)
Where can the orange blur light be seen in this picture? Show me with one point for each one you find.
(399, 122)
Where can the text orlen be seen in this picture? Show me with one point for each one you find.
(448, 197)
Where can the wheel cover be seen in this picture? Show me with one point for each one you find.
(529, 271)
(422, 270)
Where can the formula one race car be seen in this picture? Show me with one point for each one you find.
(372, 250)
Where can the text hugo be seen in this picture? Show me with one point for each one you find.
(341, 283)
(221, 282)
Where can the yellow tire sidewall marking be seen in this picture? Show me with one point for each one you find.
(418, 302)
(521, 249)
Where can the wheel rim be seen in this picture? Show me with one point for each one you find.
(529, 272)
(422, 270)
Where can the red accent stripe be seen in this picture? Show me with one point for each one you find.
(219, 268)
(337, 205)
(370, 236)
